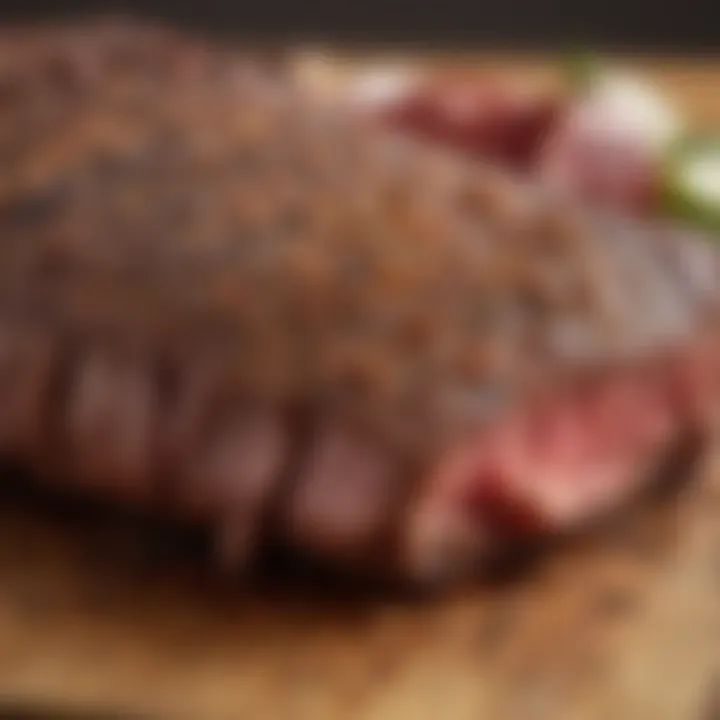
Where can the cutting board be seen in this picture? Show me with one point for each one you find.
(623, 624)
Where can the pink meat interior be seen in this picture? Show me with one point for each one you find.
(559, 462)
(562, 461)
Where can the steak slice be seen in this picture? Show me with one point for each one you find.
(228, 305)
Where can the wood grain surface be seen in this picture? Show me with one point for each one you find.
(624, 625)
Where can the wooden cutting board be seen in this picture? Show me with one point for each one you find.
(624, 625)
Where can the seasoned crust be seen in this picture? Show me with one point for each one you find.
(166, 210)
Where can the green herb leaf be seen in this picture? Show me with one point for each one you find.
(582, 69)
(692, 181)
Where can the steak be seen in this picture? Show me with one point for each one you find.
(225, 304)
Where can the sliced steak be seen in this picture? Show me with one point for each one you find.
(226, 304)
(346, 493)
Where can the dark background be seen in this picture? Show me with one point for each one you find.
(678, 25)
